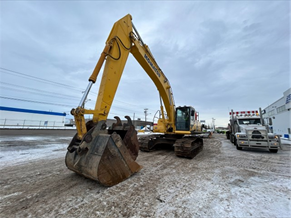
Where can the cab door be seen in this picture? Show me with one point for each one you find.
(183, 118)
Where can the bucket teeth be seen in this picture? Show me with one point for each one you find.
(129, 122)
(118, 122)
(119, 126)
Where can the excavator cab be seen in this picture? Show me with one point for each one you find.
(185, 118)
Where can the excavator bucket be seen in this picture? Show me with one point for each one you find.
(107, 156)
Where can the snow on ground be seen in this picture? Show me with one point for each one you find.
(285, 141)
(17, 150)
(219, 182)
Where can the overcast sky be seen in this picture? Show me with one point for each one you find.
(217, 55)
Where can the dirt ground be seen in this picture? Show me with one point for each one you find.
(220, 182)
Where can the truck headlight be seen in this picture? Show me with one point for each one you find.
(273, 137)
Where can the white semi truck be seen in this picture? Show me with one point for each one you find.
(247, 129)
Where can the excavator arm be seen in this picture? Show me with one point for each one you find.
(122, 40)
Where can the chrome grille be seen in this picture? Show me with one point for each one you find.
(255, 134)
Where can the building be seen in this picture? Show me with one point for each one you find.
(25, 118)
(278, 115)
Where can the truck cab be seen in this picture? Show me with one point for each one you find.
(247, 129)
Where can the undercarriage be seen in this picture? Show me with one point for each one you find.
(184, 146)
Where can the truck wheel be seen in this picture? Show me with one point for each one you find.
(273, 150)
(238, 148)
(231, 138)
(234, 141)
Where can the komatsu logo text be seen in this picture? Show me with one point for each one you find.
(152, 65)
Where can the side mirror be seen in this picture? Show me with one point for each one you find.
(270, 121)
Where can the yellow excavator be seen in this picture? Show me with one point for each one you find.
(108, 154)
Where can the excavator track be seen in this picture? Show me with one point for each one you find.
(155, 141)
(145, 142)
(188, 147)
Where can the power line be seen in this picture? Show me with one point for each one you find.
(37, 78)
(54, 83)
(39, 102)
(37, 92)
(47, 103)
(40, 90)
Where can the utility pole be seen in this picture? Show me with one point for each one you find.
(133, 119)
(213, 123)
(145, 116)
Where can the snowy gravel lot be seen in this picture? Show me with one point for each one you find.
(220, 182)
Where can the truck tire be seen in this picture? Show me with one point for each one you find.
(273, 150)
(238, 148)
(231, 138)
(234, 141)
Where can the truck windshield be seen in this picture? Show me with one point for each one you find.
(249, 121)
